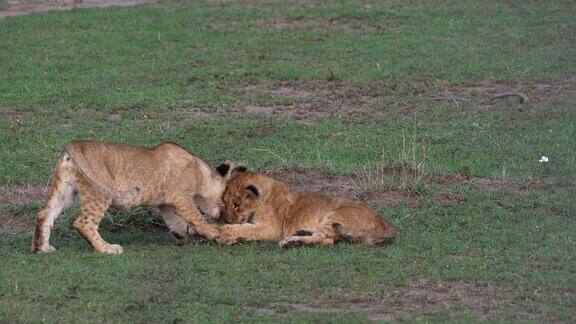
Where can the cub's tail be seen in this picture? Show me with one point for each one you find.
(384, 233)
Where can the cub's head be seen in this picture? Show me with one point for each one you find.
(210, 199)
(242, 197)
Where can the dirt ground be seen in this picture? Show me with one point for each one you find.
(335, 24)
(18, 8)
(489, 93)
(23, 194)
(423, 297)
(305, 102)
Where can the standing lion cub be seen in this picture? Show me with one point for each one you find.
(270, 210)
(105, 175)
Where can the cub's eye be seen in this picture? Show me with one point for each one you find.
(236, 206)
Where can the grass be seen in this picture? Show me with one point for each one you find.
(180, 70)
(407, 172)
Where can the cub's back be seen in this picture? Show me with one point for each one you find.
(121, 161)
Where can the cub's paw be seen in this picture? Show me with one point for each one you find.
(288, 243)
(227, 236)
(181, 242)
(211, 233)
(181, 239)
(303, 232)
(112, 249)
(44, 249)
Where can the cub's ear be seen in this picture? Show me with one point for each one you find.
(252, 192)
(223, 168)
(229, 169)
(239, 168)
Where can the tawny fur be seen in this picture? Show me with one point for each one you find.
(265, 209)
(118, 175)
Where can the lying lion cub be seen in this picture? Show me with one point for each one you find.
(270, 210)
(124, 176)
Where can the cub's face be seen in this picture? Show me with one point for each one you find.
(210, 204)
(211, 208)
(241, 199)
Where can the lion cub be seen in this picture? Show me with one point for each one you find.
(118, 175)
(270, 210)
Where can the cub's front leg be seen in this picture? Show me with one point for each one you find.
(178, 227)
(190, 214)
(229, 234)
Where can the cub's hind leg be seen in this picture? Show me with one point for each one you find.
(61, 195)
(94, 206)
(356, 223)
(361, 224)
(324, 235)
(178, 227)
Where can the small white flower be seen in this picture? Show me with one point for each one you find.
(543, 159)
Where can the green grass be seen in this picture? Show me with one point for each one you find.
(137, 74)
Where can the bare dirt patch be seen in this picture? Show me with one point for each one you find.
(315, 181)
(489, 184)
(332, 24)
(419, 298)
(490, 93)
(444, 198)
(23, 194)
(25, 7)
(450, 181)
(114, 116)
(424, 298)
(307, 101)
(493, 184)
(312, 100)
(391, 197)
(486, 184)
(15, 222)
(14, 116)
